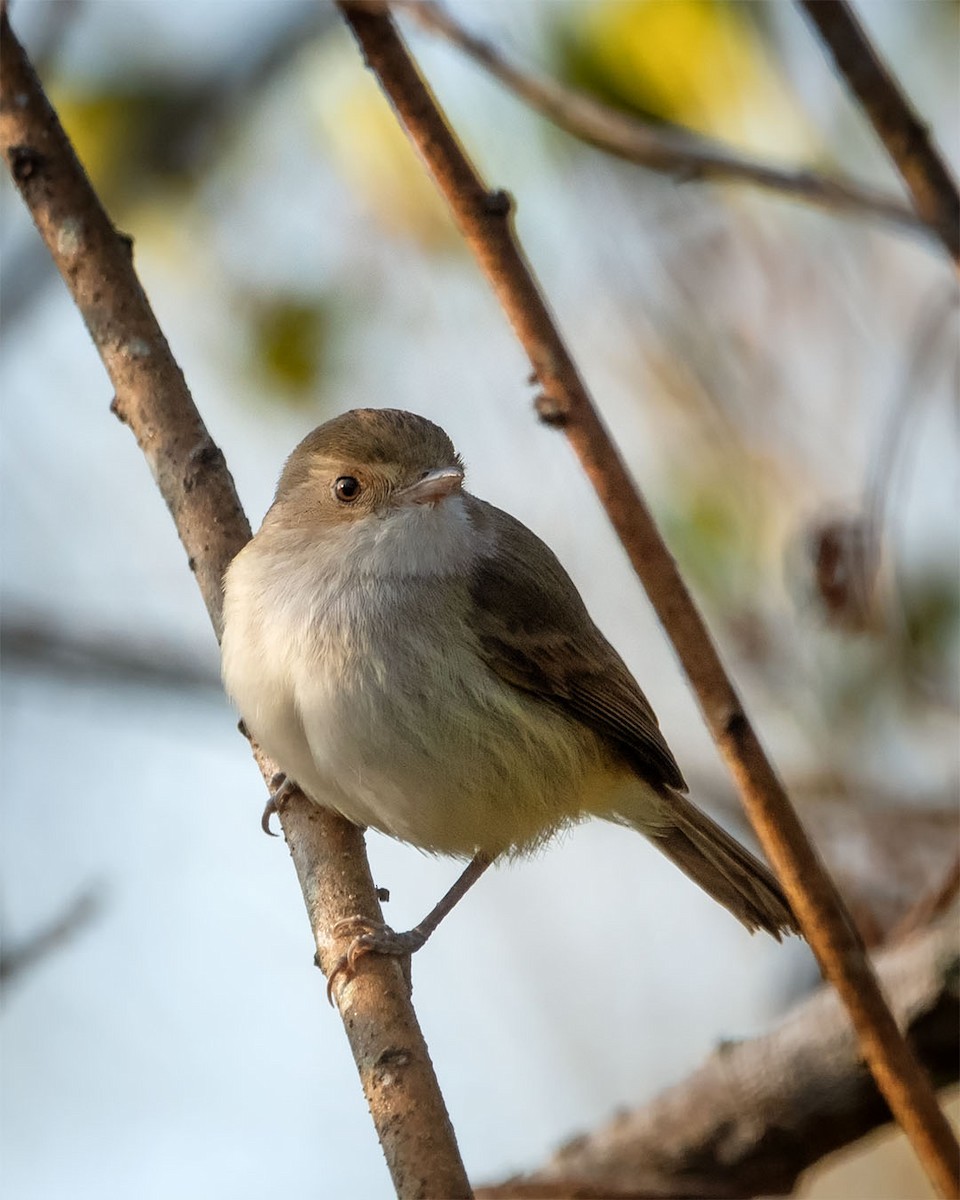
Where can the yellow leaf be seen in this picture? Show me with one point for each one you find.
(373, 154)
(698, 63)
(288, 340)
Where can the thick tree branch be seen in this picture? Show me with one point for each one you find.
(152, 398)
(758, 1113)
(677, 152)
(484, 220)
(906, 138)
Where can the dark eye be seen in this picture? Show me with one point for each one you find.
(347, 489)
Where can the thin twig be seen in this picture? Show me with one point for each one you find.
(906, 138)
(18, 957)
(152, 398)
(675, 151)
(484, 220)
(758, 1113)
(931, 342)
(930, 906)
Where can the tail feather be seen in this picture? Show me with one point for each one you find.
(724, 869)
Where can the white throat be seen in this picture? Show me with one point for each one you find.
(410, 541)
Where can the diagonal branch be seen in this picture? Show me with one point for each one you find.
(906, 138)
(152, 398)
(942, 896)
(483, 218)
(19, 957)
(669, 150)
(758, 1113)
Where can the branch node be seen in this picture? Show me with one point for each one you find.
(202, 458)
(498, 203)
(25, 163)
(550, 410)
(391, 1058)
(735, 725)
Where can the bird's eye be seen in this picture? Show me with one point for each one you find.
(347, 489)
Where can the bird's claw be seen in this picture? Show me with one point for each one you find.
(268, 811)
(370, 937)
(280, 787)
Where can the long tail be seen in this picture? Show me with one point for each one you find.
(723, 868)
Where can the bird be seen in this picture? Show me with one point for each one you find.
(420, 662)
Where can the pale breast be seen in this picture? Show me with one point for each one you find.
(373, 698)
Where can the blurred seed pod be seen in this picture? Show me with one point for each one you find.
(833, 566)
(844, 561)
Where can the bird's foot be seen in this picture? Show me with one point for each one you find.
(372, 937)
(280, 788)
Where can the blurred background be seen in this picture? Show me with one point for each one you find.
(783, 383)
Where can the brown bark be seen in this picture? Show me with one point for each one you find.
(892, 116)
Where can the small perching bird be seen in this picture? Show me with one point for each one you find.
(420, 662)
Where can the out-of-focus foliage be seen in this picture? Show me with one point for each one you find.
(369, 148)
(132, 138)
(703, 64)
(288, 342)
(714, 527)
(931, 621)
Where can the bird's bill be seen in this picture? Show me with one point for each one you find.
(434, 486)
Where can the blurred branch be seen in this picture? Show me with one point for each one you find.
(672, 151)
(18, 957)
(44, 646)
(888, 109)
(932, 905)
(484, 220)
(935, 330)
(152, 398)
(758, 1113)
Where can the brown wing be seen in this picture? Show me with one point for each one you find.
(536, 634)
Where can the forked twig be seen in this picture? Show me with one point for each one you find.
(680, 153)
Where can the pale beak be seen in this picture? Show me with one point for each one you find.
(435, 485)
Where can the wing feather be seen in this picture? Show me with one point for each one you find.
(536, 634)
